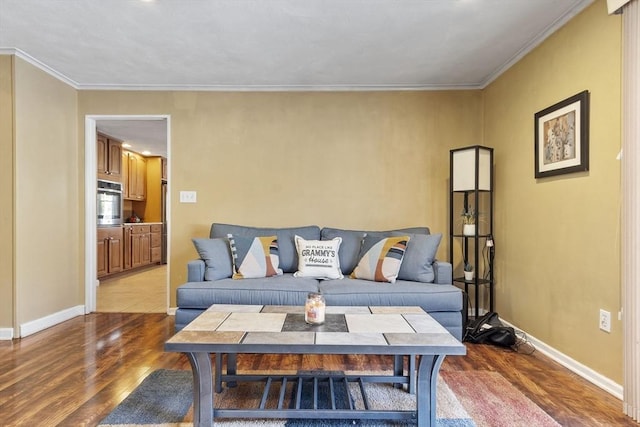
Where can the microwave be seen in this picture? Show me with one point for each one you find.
(109, 203)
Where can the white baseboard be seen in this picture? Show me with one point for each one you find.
(584, 371)
(6, 334)
(172, 311)
(38, 325)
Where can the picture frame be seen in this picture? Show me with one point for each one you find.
(562, 137)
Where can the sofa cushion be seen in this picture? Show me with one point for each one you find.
(216, 255)
(417, 264)
(286, 246)
(318, 258)
(254, 257)
(380, 258)
(352, 241)
(430, 296)
(349, 248)
(276, 290)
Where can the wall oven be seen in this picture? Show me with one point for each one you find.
(109, 203)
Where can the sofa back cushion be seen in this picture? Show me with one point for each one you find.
(216, 255)
(352, 241)
(417, 264)
(288, 256)
(380, 258)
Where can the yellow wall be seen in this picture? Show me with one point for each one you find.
(49, 262)
(6, 192)
(363, 160)
(354, 160)
(558, 239)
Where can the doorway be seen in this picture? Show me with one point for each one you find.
(145, 137)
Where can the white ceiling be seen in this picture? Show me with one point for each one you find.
(278, 44)
(143, 135)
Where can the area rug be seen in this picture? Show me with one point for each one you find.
(464, 399)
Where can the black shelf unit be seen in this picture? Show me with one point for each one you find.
(471, 187)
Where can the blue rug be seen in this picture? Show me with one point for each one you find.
(165, 397)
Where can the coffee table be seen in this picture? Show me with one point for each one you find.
(243, 329)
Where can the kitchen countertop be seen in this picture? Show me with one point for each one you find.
(141, 223)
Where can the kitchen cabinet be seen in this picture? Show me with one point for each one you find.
(110, 246)
(109, 154)
(126, 261)
(140, 245)
(125, 174)
(136, 176)
(156, 243)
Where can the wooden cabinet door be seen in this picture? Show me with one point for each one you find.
(115, 251)
(109, 248)
(127, 249)
(141, 180)
(124, 164)
(133, 176)
(156, 243)
(102, 254)
(103, 156)
(145, 248)
(115, 159)
(109, 155)
(136, 254)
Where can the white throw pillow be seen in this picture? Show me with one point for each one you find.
(318, 258)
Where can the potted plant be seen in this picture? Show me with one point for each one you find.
(468, 222)
(468, 271)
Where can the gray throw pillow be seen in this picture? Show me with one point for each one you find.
(288, 256)
(417, 264)
(216, 255)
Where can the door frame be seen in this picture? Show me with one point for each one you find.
(90, 188)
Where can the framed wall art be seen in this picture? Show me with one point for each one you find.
(562, 137)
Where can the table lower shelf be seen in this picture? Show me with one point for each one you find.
(315, 395)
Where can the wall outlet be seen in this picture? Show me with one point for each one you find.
(188, 197)
(605, 320)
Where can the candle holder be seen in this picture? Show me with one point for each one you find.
(314, 309)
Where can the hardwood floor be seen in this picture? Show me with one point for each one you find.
(75, 373)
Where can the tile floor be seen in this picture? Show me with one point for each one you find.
(137, 292)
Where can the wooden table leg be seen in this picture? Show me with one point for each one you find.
(202, 389)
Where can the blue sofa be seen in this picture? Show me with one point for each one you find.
(422, 280)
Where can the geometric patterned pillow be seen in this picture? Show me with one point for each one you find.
(380, 258)
(254, 257)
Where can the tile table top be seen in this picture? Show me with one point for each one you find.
(269, 329)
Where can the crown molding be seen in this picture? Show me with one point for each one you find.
(38, 64)
(232, 88)
(278, 88)
(555, 26)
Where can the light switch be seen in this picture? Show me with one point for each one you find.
(188, 197)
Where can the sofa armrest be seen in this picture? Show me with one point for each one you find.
(443, 271)
(195, 271)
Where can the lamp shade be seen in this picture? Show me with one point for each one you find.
(469, 164)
